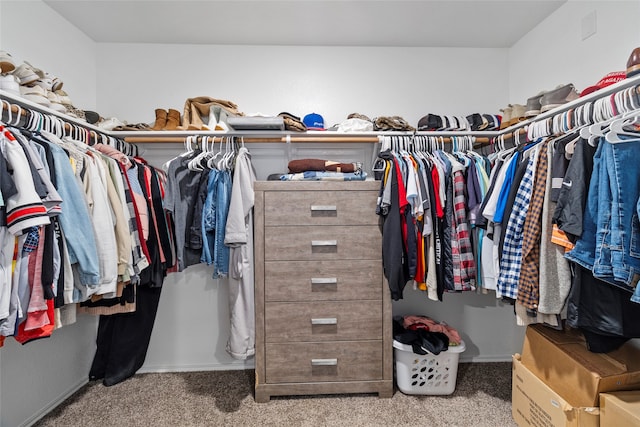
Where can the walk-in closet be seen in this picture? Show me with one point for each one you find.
(126, 60)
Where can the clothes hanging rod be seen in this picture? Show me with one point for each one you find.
(71, 125)
(571, 105)
(350, 138)
(16, 101)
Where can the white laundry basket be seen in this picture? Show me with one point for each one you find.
(426, 373)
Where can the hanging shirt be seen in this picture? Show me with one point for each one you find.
(25, 208)
(528, 290)
(181, 195)
(74, 218)
(239, 239)
(509, 273)
(463, 235)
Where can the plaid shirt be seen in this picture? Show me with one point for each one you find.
(528, 287)
(32, 240)
(138, 251)
(509, 274)
(464, 263)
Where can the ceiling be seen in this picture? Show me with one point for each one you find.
(417, 23)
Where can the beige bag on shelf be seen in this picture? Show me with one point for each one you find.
(197, 112)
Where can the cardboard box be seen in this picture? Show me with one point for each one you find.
(534, 404)
(620, 409)
(561, 359)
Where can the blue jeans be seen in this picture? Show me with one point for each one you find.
(223, 192)
(584, 251)
(610, 242)
(636, 294)
(209, 220)
(214, 221)
(602, 266)
(624, 241)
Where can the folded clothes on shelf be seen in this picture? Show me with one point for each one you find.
(324, 176)
(303, 165)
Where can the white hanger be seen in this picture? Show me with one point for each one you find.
(195, 163)
(617, 127)
(8, 108)
(213, 157)
(18, 114)
(226, 161)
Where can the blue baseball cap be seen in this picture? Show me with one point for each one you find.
(313, 121)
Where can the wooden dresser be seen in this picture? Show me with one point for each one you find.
(322, 305)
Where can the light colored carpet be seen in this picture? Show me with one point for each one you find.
(225, 398)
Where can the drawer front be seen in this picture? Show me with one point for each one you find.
(323, 321)
(320, 208)
(299, 243)
(323, 280)
(308, 362)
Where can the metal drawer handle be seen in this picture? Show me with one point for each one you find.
(324, 362)
(324, 243)
(324, 280)
(323, 208)
(324, 321)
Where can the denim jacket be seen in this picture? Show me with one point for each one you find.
(75, 220)
(214, 221)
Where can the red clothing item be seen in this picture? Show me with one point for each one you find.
(436, 185)
(420, 266)
(147, 183)
(427, 323)
(37, 316)
(402, 200)
(45, 331)
(143, 241)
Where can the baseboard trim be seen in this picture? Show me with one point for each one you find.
(55, 402)
(486, 359)
(250, 364)
(239, 365)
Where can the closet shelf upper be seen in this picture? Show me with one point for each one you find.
(18, 104)
(480, 137)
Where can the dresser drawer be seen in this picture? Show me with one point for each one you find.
(323, 321)
(320, 208)
(299, 243)
(309, 362)
(323, 280)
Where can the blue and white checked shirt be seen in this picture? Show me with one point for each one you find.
(510, 264)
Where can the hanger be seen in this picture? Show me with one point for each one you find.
(225, 162)
(601, 123)
(8, 108)
(617, 128)
(516, 137)
(212, 156)
(194, 164)
(215, 157)
(9, 120)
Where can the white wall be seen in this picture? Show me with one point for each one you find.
(31, 31)
(36, 377)
(554, 53)
(47, 370)
(135, 79)
(333, 81)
